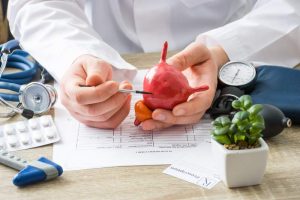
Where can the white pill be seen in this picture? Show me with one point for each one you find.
(50, 133)
(33, 124)
(24, 138)
(8, 129)
(37, 136)
(45, 121)
(21, 126)
(12, 141)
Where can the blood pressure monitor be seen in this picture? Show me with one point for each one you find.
(238, 74)
(235, 79)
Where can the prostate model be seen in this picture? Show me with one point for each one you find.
(168, 87)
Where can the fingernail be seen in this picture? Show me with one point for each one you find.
(147, 126)
(125, 85)
(179, 112)
(160, 117)
(125, 82)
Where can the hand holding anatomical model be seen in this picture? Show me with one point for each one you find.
(182, 88)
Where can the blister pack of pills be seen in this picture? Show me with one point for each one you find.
(28, 133)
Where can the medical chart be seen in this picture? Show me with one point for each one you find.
(83, 147)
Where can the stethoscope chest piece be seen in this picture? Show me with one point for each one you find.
(37, 97)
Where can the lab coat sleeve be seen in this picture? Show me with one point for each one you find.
(56, 32)
(268, 34)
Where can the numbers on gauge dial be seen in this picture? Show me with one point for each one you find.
(237, 73)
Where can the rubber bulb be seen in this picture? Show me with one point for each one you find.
(275, 121)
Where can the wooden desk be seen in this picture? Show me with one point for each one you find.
(281, 181)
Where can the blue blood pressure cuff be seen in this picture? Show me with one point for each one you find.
(279, 86)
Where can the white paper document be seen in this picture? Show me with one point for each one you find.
(196, 168)
(83, 147)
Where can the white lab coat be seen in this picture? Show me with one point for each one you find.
(56, 32)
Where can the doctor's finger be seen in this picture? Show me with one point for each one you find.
(96, 112)
(199, 103)
(113, 122)
(167, 117)
(107, 107)
(193, 54)
(99, 118)
(151, 124)
(97, 71)
(91, 95)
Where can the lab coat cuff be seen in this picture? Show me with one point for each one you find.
(228, 40)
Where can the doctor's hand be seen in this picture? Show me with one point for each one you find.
(200, 66)
(100, 105)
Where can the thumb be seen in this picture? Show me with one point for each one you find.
(125, 85)
(97, 72)
(193, 54)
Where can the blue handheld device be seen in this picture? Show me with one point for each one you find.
(31, 172)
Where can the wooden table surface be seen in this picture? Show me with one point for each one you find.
(281, 180)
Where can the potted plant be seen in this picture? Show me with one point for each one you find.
(239, 151)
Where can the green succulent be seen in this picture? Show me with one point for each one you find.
(246, 125)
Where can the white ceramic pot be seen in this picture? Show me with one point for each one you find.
(238, 168)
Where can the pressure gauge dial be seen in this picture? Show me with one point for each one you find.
(238, 74)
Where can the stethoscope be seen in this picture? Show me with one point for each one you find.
(35, 98)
